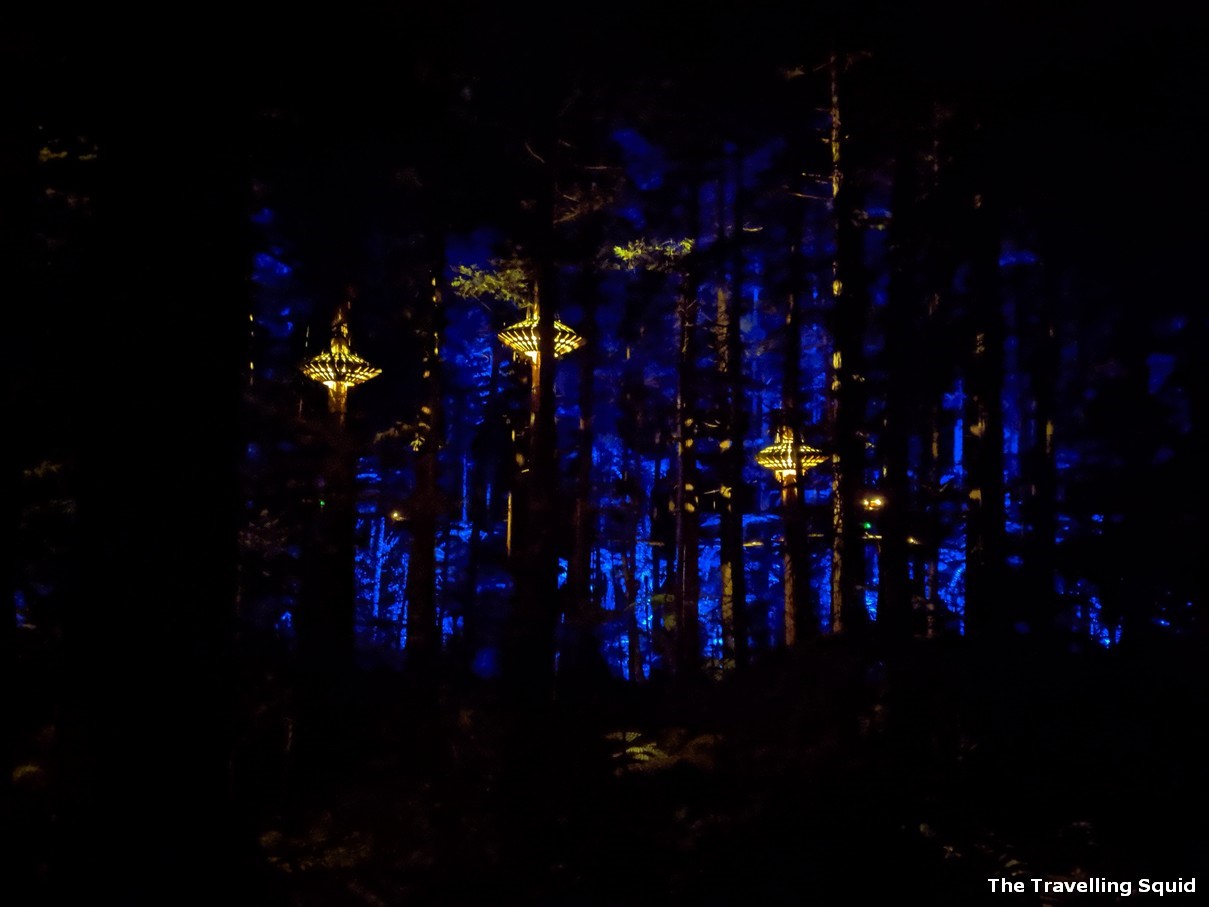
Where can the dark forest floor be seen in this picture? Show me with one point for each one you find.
(840, 774)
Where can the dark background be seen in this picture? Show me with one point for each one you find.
(153, 778)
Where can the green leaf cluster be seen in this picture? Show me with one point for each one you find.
(507, 280)
(647, 255)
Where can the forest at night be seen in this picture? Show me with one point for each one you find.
(645, 454)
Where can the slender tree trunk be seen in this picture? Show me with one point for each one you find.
(148, 636)
(23, 399)
(1133, 596)
(582, 663)
(933, 524)
(687, 529)
(488, 485)
(847, 397)
(894, 603)
(936, 371)
(633, 629)
(579, 566)
(1041, 505)
(423, 637)
(986, 610)
(795, 568)
(530, 665)
(798, 620)
(735, 629)
(734, 591)
(325, 621)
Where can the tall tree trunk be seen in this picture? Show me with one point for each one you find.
(687, 516)
(987, 612)
(933, 523)
(798, 621)
(24, 399)
(488, 485)
(423, 636)
(326, 606)
(734, 587)
(735, 630)
(937, 371)
(1041, 503)
(894, 602)
(1131, 594)
(530, 665)
(148, 636)
(579, 565)
(847, 396)
(582, 663)
(631, 592)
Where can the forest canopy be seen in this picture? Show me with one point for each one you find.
(708, 394)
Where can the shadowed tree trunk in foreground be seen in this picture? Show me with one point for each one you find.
(847, 396)
(147, 637)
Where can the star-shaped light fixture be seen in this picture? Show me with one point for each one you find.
(523, 337)
(339, 368)
(780, 459)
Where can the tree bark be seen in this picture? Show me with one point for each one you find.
(987, 613)
(895, 599)
(847, 396)
(688, 518)
(148, 636)
(423, 634)
(1041, 471)
(735, 629)
(798, 622)
(530, 663)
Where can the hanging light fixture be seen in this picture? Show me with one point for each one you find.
(339, 368)
(523, 337)
(780, 459)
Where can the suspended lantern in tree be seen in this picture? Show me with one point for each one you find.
(523, 337)
(780, 459)
(339, 368)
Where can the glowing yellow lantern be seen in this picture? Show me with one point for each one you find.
(523, 337)
(339, 368)
(779, 457)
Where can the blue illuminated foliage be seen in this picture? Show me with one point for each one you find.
(269, 271)
(646, 162)
(381, 572)
(742, 231)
